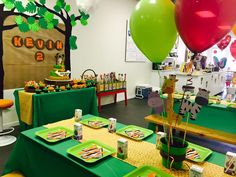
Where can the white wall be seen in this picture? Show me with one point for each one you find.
(101, 47)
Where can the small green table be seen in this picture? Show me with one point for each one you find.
(56, 106)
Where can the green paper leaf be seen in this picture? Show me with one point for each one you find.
(31, 0)
(81, 13)
(43, 23)
(83, 21)
(73, 23)
(19, 7)
(57, 8)
(19, 20)
(50, 25)
(48, 16)
(9, 5)
(55, 22)
(41, 11)
(86, 16)
(11, 1)
(72, 17)
(34, 27)
(59, 4)
(42, 2)
(24, 27)
(31, 7)
(31, 20)
(67, 8)
(73, 45)
(63, 5)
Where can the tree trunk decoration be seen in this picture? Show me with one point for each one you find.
(35, 15)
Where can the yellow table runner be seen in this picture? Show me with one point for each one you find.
(139, 152)
(26, 106)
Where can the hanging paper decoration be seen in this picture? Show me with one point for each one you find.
(220, 63)
(224, 42)
(201, 99)
(155, 101)
(233, 49)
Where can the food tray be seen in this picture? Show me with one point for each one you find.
(103, 121)
(78, 149)
(145, 171)
(123, 131)
(44, 133)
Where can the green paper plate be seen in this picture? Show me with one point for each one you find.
(103, 121)
(43, 133)
(123, 131)
(75, 150)
(144, 171)
(202, 151)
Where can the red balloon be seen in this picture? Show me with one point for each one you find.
(233, 49)
(224, 42)
(202, 23)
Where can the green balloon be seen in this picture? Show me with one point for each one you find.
(153, 29)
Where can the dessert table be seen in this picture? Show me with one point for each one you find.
(34, 157)
(35, 110)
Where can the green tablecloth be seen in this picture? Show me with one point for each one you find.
(53, 107)
(35, 158)
(215, 117)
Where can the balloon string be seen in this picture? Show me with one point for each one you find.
(163, 104)
(185, 130)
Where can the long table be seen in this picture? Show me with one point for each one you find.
(213, 116)
(36, 158)
(52, 107)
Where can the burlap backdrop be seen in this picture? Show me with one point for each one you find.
(20, 64)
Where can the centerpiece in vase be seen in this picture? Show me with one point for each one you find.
(173, 149)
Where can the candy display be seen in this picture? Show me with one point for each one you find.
(110, 81)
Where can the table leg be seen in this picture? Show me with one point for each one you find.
(115, 97)
(126, 101)
(99, 103)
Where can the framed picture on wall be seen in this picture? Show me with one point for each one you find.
(132, 53)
